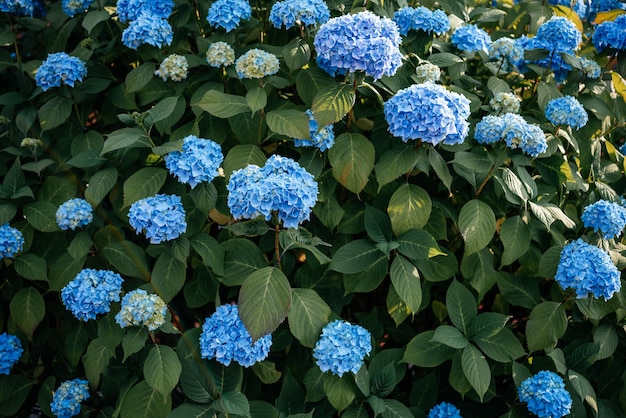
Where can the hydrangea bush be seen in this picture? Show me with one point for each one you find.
(312, 208)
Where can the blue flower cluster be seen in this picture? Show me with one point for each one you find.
(225, 338)
(91, 292)
(622, 149)
(471, 38)
(281, 186)
(427, 72)
(444, 410)
(606, 217)
(288, 13)
(129, 10)
(587, 269)
(428, 112)
(10, 352)
(596, 6)
(74, 213)
(73, 7)
(514, 130)
(141, 309)
(228, 14)
(508, 52)
(11, 241)
(342, 347)
(545, 395)
(590, 68)
(161, 217)
(578, 6)
(220, 54)
(611, 34)
(197, 162)
(321, 138)
(505, 103)
(421, 18)
(147, 28)
(60, 68)
(66, 400)
(359, 42)
(566, 111)
(257, 63)
(174, 67)
(17, 7)
(489, 129)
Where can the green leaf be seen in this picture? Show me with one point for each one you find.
(264, 300)
(314, 381)
(340, 392)
(80, 245)
(487, 324)
(307, 316)
(162, 369)
(222, 105)
(461, 306)
(188, 410)
(441, 168)
(422, 351)
(352, 159)
(546, 92)
(7, 212)
(14, 178)
(44, 397)
(42, 216)
(144, 183)
(444, 59)
(161, 110)
(310, 81)
(450, 336)
(409, 208)
(142, 401)
(234, 403)
(520, 291)
(296, 53)
(240, 156)
(139, 77)
(438, 268)
(503, 346)
(27, 310)
(301, 238)
(75, 344)
(406, 281)
(394, 163)
(54, 112)
(31, 267)
(14, 390)
(377, 224)
(128, 258)
(266, 372)
(476, 370)
(395, 409)
(417, 244)
(584, 389)
(546, 324)
(332, 103)
(96, 360)
(133, 341)
(289, 122)
(242, 258)
(477, 224)
(210, 250)
(109, 332)
(125, 138)
(168, 276)
(99, 185)
(607, 339)
(63, 270)
(256, 98)
(355, 412)
(370, 278)
(516, 239)
(354, 257)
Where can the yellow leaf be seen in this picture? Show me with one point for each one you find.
(607, 16)
(565, 11)
(619, 84)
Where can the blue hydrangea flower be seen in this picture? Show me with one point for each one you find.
(174, 67)
(489, 129)
(160, 217)
(91, 292)
(17, 7)
(66, 400)
(228, 14)
(421, 18)
(590, 68)
(257, 63)
(342, 347)
(545, 395)
(606, 217)
(428, 112)
(507, 51)
(611, 34)
(359, 42)
(225, 338)
(10, 352)
(471, 38)
(578, 6)
(147, 29)
(559, 34)
(288, 13)
(281, 187)
(11, 241)
(197, 162)
(427, 72)
(596, 6)
(444, 410)
(517, 133)
(566, 111)
(74, 213)
(321, 138)
(622, 149)
(60, 68)
(129, 10)
(220, 54)
(141, 309)
(505, 103)
(587, 269)
(73, 7)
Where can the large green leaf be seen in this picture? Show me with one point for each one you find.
(56, 111)
(128, 258)
(310, 81)
(242, 258)
(162, 369)
(264, 300)
(32, 267)
(546, 324)
(476, 369)
(27, 310)
(477, 224)
(240, 156)
(307, 316)
(352, 159)
(450, 336)
(139, 77)
(515, 237)
(502, 346)
(232, 403)
(461, 306)
(422, 351)
(142, 401)
(222, 105)
(340, 392)
(168, 276)
(332, 103)
(289, 122)
(409, 208)
(42, 216)
(418, 244)
(143, 183)
(210, 250)
(125, 138)
(395, 162)
(96, 360)
(406, 281)
(189, 410)
(99, 185)
(354, 257)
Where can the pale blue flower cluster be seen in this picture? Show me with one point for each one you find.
(225, 338)
(545, 395)
(444, 410)
(622, 149)
(596, 6)
(321, 138)
(197, 162)
(257, 63)
(66, 400)
(17, 7)
(342, 347)
(141, 309)
(514, 130)
(606, 217)
(161, 217)
(288, 13)
(590, 68)
(471, 38)
(427, 72)
(91, 292)
(129, 10)
(60, 68)
(578, 6)
(174, 67)
(611, 34)
(73, 7)
(359, 42)
(566, 111)
(10, 352)
(74, 213)
(587, 269)
(489, 129)
(507, 52)
(228, 14)
(11, 241)
(220, 54)
(505, 103)
(421, 18)
(428, 112)
(281, 187)
(147, 28)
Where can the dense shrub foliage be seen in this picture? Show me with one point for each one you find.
(312, 209)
